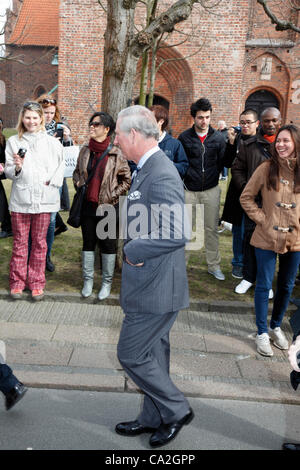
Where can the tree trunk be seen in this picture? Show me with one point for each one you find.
(144, 78)
(123, 47)
(119, 64)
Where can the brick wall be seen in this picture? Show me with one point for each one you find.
(216, 72)
(283, 79)
(227, 69)
(22, 80)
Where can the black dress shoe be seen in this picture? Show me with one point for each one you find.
(290, 446)
(132, 428)
(166, 432)
(5, 234)
(49, 265)
(14, 395)
(60, 229)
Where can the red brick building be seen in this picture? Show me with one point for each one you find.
(242, 60)
(32, 35)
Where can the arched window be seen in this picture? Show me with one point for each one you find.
(262, 99)
(40, 90)
(2, 92)
(156, 100)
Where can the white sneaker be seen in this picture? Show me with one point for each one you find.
(217, 273)
(263, 345)
(224, 226)
(278, 338)
(243, 287)
(271, 294)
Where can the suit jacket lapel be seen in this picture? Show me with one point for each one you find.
(144, 171)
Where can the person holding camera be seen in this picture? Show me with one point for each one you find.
(35, 164)
(62, 132)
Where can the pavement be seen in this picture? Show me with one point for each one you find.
(67, 342)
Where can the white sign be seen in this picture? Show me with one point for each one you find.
(296, 94)
(70, 155)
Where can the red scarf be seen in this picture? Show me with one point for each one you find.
(270, 138)
(97, 149)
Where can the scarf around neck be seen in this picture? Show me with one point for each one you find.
(96, 151)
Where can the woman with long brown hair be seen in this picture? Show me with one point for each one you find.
(277, 183)
(54, 123)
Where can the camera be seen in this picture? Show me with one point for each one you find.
(237, 129)
(59, 130)
(22, 152)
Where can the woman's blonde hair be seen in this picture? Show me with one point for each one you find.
(30, 106)
(48, 100)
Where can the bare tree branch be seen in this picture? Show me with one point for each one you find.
(281, 24)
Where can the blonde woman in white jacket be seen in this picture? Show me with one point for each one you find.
(36, 178)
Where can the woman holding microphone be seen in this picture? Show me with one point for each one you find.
(34, 163)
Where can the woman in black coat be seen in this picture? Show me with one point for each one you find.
(4, 212)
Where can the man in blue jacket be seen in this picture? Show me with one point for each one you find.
(170, 146)
(205, 148)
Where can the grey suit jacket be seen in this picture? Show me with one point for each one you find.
(155, 237)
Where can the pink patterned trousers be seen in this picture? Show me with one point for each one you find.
(23, 273)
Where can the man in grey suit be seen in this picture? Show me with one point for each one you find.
(154, 281)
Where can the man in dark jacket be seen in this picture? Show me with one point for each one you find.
(205, 147)
(252, 153)
(233, 212)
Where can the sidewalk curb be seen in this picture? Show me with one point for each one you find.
(222, 306)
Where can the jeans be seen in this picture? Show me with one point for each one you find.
(237, 244)
(224, 172)
(50, 233)
(266, 264)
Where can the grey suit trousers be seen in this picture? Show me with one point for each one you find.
(144, 353)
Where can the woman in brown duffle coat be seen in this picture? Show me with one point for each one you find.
(277, 183)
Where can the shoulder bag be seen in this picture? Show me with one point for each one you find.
(76, 209)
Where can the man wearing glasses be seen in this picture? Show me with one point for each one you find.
(252, 152)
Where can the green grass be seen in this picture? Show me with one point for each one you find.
(67, 277)
(8, 132)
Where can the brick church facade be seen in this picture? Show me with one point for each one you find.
(236, 58)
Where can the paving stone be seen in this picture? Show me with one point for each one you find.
(37, 352)
(229, 344)
(265, 369)
(187, 341)
(203, 365)
(86, 334)
(71, 381)
(242, 391)
(27, 330)
(95, 358)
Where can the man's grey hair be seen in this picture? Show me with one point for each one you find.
(271, 109)
(139, 118)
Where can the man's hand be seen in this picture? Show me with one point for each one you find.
(293, 352)
(231, 133)
(137, 265)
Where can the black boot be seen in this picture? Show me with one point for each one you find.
(49, 265)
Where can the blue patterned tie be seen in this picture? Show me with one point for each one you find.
(134, 174)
